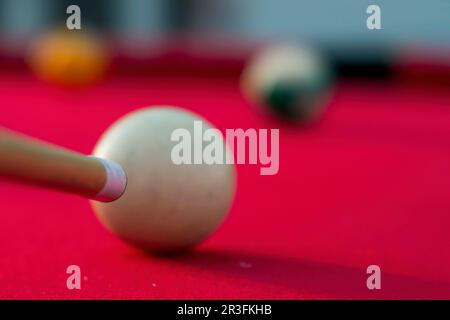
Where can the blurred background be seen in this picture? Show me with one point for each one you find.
(335, 24)
(315, 20)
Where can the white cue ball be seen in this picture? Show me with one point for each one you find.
(165, 207)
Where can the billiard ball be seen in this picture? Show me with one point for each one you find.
(290, 81)
(68, 58)
(139, 189)
(165, 206)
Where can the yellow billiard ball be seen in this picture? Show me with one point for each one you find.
(68, 58)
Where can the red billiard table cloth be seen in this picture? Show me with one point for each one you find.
(369, 184)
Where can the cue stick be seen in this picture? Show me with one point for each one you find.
(34, 162)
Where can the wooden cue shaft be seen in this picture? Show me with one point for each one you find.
(34, 162)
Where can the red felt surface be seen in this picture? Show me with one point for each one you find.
(369, 185)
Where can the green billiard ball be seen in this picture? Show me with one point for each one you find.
(291, 82)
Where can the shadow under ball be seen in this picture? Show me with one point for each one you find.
(165, 207)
